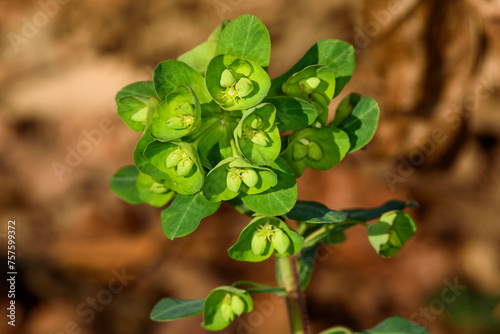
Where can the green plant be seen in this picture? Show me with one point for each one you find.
(217, 128)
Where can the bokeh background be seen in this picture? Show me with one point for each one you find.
(89, 263)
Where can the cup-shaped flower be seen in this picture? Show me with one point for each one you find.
(236, 84)
(317, 148)
(180, 163)
(304, 148)
(263, 237)
(177, 116)
(257, 135)
(234, 175)
(223, 304)
(315, 84)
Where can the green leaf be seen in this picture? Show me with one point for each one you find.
(133, 111)
(292, 113)
(279, 199)
(345, 108)
(333, 146)
(172, 73)
(306, 265)
(393, 325)
(313, 212)
(337, 330)
(199, 57)
(185, 213)
(369, 214)
(169, 309)
(362, 123)
(142, 89)
(142, 163)
(231, 96)
(396, 325)
(246, 37)
(337, 55)
(259, 153)
(242, 250)
(123, 184)
(215, 313)
(388, 235)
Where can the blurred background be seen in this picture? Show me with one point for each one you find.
(89, 263)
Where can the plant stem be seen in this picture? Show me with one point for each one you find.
(229, 131)
(287, 269)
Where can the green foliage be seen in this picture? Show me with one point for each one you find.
(216, 128)
(199, 57)
(246, 37)
(397, 325)
(169, 309)
(123, 184)
(361, 124)
(185, 213)
(293, 113)
(390, 232)
(313, 212)
(278, 199)
(393, 325)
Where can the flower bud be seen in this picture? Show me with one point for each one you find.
(309, 84)
(241, 67)
(260, 138)
(140, 116)
(244, 87)
(186, 109)
(226, 312)
(255, 121)
(233, 181)
(259, 243)
(300, 150)
(315, 152)
(249, 177)
(280, 241)
(184, 166)
(158, 188)
(176, 123)
(227, 78)
(174, 158)
(237, 305)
